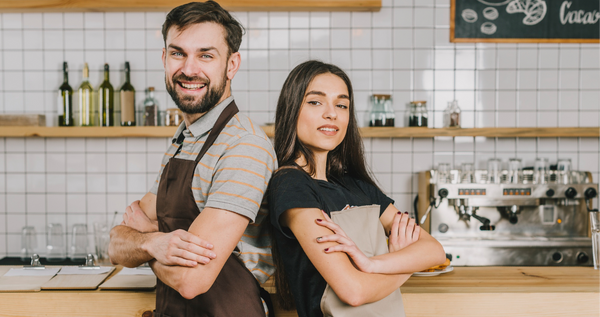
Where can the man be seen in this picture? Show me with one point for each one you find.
(202, 215)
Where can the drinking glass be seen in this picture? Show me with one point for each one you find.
(101, 240)
(28, 243)
(443, 173)
(467, 173)
(540, 171)
(494, 170)
(514, 171)
(55, 242)
(595, 225)
(79, 242)
(563, 169)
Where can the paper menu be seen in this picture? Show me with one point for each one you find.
(76, 270)
(136, 271)
(49, 271)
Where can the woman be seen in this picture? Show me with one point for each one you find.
(323, 170)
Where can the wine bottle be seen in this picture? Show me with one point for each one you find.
(106, 102)
(127, 94)
(65, 106)
(87, 115)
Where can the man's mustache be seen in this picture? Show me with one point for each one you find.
(195, 79)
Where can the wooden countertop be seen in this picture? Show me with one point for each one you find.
(466, 291)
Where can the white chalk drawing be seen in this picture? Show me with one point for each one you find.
(495, 3)
(535, 10)
(469, 15)
(488, 28)
(490, 13)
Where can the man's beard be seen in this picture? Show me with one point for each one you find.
(186, 103)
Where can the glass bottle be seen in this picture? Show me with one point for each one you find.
(382, 114)
(65, 100)
(418, 116)
(150, 108)
(106, 102)
(127, 94)
(87, 115)
(452, 115)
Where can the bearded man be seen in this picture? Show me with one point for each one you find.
(199, 227)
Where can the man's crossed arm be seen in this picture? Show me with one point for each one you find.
(174, 256)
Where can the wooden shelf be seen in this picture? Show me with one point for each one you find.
(389, 132)
(114, 132)
(166, 5)
(87, 132)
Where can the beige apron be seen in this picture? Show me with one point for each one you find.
(362, 226)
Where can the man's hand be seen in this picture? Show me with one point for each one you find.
(134, 217)
(179, 248)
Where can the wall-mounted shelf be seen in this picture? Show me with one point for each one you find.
(166, 5)
(114, 132)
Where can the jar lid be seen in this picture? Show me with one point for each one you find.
(419, 102)
(384, 97)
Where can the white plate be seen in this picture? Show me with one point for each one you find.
(448, 268)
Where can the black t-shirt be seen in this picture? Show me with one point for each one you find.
(293, 188)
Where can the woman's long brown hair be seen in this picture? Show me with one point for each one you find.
(346, 158)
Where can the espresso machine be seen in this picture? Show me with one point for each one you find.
(514, 217)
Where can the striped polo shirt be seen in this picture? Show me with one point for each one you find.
(233, 175)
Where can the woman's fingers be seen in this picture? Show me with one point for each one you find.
(331, 226)
(417, 232)
(410, 228)
(335, 238)
(402, 226)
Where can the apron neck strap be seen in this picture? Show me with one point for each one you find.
(228, 113)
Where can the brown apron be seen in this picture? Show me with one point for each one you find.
(235, 292)
(362, 225)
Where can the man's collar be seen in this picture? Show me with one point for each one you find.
(203, 124)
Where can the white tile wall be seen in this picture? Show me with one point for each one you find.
(402, 50)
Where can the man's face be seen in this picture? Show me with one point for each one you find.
(197, 67)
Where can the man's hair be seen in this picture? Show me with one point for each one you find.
(192, 13)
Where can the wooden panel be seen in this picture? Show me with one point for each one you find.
(166, 5)
(465, 292)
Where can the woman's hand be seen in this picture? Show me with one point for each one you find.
(346, 245)
(405, 231)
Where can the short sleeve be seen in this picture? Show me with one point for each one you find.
(376, 195)
(241, 176)
(291, 188)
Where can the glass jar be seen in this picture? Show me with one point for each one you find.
(515, 170)
(452, 115)
(381, 114)
(173, 117)
(150, 108)
(418, 116)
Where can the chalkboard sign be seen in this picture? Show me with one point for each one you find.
(572, 21)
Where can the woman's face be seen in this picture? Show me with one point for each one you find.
(324, 113)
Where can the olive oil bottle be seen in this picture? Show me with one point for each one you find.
(106, 102)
